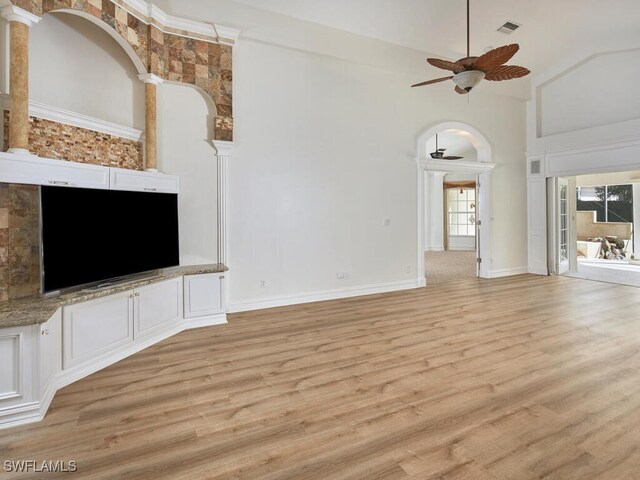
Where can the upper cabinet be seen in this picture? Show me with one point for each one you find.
(32, 170)
(122, 179)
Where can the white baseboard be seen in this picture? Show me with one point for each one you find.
(462, 249)
(507, 272)
(434, 249)
(209, 321)
(259, 304)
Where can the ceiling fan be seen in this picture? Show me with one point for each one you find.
(439, 153)
(470, 71)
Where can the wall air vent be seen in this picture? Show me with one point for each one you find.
(509, 27)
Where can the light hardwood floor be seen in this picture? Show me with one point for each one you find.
(515, 378)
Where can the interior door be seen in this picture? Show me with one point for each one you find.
(564, 225)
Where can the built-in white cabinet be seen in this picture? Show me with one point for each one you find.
(17, 365)
(122, 179)
(203, 295)
(49, 350)
(95, 328)
(32, 170)
(157, 306)
(82, 338)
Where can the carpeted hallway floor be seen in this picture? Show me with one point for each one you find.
(442, 267)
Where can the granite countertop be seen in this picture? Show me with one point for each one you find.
(38, 309)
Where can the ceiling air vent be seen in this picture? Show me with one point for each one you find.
(509, 27)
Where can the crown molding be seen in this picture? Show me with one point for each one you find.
(155, 15)
(66, 117)
(11, 13)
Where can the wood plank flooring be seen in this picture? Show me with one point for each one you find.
(517, 378)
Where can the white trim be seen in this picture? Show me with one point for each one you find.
(223, 153)
(11, 13)
(433, 249)
(137, 61)
(209, 321)
(159, 18)
(321, 296)
(508, 272)
(150, 78)
(66, 117)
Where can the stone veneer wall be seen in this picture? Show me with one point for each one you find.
(175, 55)
(19, 241)
(55, 140)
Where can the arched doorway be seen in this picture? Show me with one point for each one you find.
(481, 166)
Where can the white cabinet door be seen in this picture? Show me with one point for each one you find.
(97, 327)
(202, 295)
(33, 170)
(158, 306)
(50, 349)
(17, 368)
(123, 179)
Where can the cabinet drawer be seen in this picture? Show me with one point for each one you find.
(202, 295)
(94, 328)
(157, 306)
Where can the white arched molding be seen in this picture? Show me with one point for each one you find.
(137, 61)
(483, 168)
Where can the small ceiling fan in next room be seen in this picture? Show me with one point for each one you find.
(468, 72)
(439, 153)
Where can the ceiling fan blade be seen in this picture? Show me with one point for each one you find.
(461, 91)
(506, 72)
(446, 65)
(496, 57)
(435, 80)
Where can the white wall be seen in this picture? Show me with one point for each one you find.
(76, 66)
(325, 152)
(183, 150)
(601, 91)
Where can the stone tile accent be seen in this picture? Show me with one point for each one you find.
(19, 241)
(173, 55)
(64, 142)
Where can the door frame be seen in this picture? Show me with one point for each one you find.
(482, 168)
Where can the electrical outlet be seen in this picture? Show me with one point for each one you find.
(340, 275)
(407, 269)
(386, 222)
(263, 284)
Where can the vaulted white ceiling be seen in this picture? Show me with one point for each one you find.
(551, 29)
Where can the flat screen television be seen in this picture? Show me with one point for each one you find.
(90, 236)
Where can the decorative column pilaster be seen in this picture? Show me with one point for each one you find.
(223, 150)
(436, 210)
(20, 21)
(151, 83)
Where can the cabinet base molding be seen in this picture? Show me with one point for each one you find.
(35, 411)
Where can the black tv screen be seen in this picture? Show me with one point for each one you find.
(93, 235)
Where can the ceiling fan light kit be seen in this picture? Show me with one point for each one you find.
(468, 72)
(468, 79)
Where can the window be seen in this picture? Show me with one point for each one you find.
(613, 203)
(461, 210)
